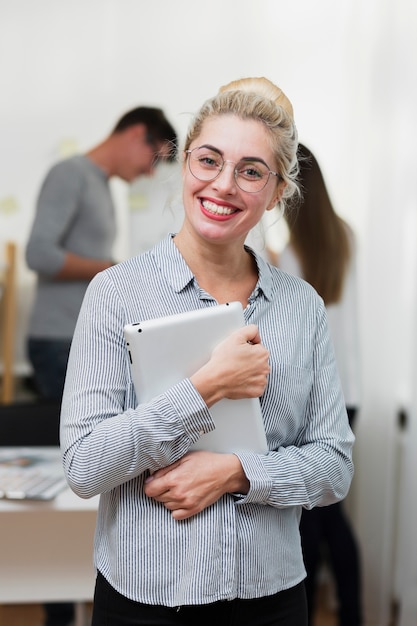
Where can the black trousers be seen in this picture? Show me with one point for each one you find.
(327, 533)
(287, 608)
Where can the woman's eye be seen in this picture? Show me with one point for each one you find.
(250, 172)
(208, 161)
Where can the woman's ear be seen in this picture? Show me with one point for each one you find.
(272, 204)
(278, 196)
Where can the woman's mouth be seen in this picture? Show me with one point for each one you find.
(217, 209)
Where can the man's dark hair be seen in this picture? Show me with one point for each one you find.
(158, 127)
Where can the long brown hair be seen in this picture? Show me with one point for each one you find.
(319, 237)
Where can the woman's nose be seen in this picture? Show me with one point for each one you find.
(226, 179)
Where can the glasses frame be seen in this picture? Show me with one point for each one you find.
(235, 171)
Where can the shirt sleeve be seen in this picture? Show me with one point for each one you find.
(106, 438)
(317, 469)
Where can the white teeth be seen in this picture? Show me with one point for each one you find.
(217, 209)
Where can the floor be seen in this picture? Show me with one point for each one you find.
(33, 615)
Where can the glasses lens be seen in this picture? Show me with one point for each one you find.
(251, 176)
(205, 164)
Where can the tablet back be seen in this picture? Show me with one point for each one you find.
(164, 351)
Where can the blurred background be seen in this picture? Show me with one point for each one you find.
(69, 69)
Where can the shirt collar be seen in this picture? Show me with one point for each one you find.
(172, 264)
(178, 274)
(264, 274)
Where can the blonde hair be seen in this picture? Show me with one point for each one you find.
(263, 87)
(258, 99)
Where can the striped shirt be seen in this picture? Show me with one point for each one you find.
(241, 546)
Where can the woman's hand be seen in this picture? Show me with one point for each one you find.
(238, 368)
(196, 481)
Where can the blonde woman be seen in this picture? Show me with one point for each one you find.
(187, 537)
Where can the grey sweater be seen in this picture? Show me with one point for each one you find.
(74, 213)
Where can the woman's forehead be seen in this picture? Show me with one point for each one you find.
(230, 133)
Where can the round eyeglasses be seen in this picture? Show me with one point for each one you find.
(251, 174)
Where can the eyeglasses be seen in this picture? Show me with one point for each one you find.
(251, 175)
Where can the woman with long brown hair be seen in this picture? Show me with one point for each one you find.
(321, 249)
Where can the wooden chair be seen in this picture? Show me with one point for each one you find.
(8, 321)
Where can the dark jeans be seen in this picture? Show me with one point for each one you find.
(49, 360)
(59, 614)
(327, 531)
(287, 608)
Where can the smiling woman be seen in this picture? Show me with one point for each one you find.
(347, 104)
(227, 189)
(195, 512)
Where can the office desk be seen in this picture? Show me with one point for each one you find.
(46, 550)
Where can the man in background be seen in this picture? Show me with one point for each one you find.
(72, 237)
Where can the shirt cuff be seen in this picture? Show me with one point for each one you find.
(191, 409)
(259, 480)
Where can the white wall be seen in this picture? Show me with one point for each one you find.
(69, 69)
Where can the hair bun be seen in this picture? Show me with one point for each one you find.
(263, 87)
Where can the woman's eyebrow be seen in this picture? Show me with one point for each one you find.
(246, 158)
(210, 147)
(254, 158)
